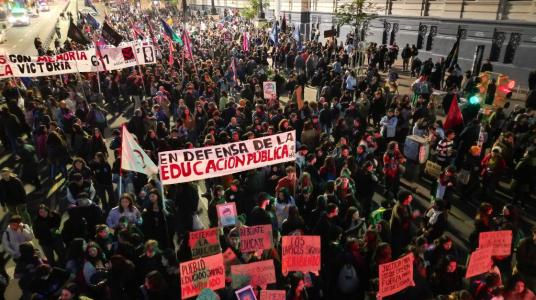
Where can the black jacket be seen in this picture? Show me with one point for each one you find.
(44, 228)
(12, 192)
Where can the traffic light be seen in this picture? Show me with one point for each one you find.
(504, 91)
(480, 89)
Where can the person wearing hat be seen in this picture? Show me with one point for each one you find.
(434, 220)
(401, 221)
(493, 165)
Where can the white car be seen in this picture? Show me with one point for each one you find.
(43, 7)
(2, 36)
(19, 17)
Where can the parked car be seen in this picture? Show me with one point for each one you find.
(19, 17)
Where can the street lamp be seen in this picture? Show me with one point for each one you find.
(213, 9)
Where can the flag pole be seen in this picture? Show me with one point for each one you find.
(121, 160)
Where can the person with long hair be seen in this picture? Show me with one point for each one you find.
(282, 205)
(154, 288)
(103, 180)
(172, 272)
(482, 224)
(158, 222)
(76, 257)
(46, 230)
(297, 288)
(434, 220)
(509, 221)
(42, 135)
(384, 231)
(368, 180)
(382, 255)
(293, 222)
(352, 223)
(27, 263)
(95, 262)
(58, 155)
(121, 277)
(328, 170)
(441, 248)
(96, 143)
(126, 208)
(401, 220)
(448, 277)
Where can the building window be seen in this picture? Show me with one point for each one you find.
(431, 36)
(496, 45)
(509, 56)
(423, 29)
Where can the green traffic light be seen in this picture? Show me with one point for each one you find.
(475, 100)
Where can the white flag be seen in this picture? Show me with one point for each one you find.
(133, 157)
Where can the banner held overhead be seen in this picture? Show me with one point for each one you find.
(196, 164)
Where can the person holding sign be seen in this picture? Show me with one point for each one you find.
(401, 220)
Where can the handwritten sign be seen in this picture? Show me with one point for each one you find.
(273, 295)
(246, 294)
(500, 241)
(255, 238)
(261, 273)
(269, 89)
(227, 213)
(198, 274)
(479, 262)
(204, 243)
(433, 169)
(301, 253)
(208, 294)
(396, 276)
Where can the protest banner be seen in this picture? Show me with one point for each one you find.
(273, 295)
(198, 274)
(76, 61)
(500, 241)
(301, 253)
(208, 294)
(204, 243)
(396, 276)
(227, 213)
(479, 262)
(261, 273)
(246, 294)
(255, 237)
(216, 161)
(432, 169)
(269, 89)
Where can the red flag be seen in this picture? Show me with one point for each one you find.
(171, 50)
(99, 54)
(454, 117)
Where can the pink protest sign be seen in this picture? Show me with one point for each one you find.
(301, 253)
(255, 237)
(479, 262)
(396, 276)
(500, 241)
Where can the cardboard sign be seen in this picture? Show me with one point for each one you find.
(246, 294)
(301, 253)
(229, 259)
(208, 294)
(330, 33)
(479, 262)
(432, 169)
(227, 213)
(255, 238)
(261, 273)
(396, 276)
(269, 89)
(216, 161)
(500, 241)
(204, 243)
(273, 295)
(198, 274)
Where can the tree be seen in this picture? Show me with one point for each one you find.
(252, 9)
(358, 14)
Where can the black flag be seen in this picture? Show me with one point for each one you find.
(110, 35)
(77, 35)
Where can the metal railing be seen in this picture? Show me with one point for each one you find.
(519, 89)
(50, 36)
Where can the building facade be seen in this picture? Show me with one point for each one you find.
(499, 30)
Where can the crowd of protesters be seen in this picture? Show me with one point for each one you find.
(350, 141)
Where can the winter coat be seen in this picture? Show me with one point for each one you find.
(44, 228)
(308, 138)
(11, 239)
(12, 192)
(389, 126)
(113, 217)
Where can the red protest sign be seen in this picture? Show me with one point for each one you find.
(301, 253)
(259, 273)
(500, 241)
(197, 274)
(204, 243)
(255, 238)
(273, 295)
(396, 276)
(479, 262)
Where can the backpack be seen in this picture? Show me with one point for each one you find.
(348, 280)
(330, 176)
(424, 88)
(99, 117)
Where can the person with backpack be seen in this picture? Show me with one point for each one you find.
(96, 117)
(16, 234)
(13, 195)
